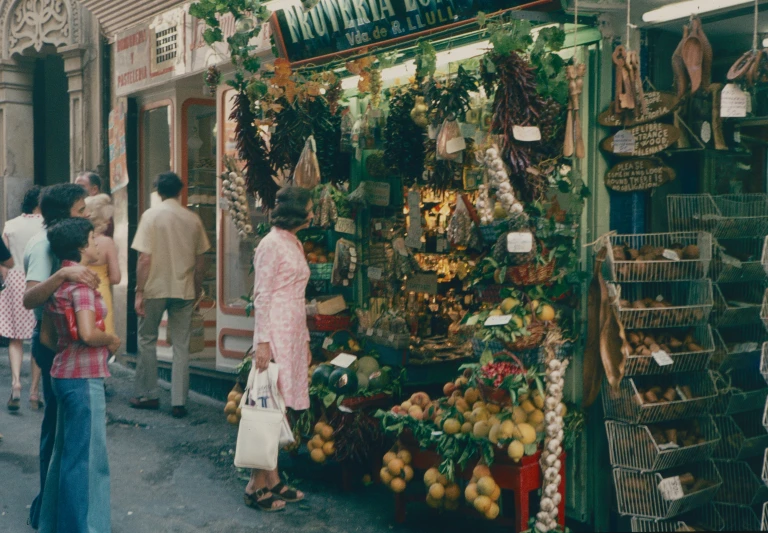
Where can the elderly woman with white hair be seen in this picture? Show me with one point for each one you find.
(100, 211)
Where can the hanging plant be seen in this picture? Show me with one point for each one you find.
(451, 98)
(403, 138)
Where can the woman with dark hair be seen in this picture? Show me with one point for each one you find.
(281, 274)
(16, 322)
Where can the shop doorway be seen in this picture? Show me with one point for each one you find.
(50, 101)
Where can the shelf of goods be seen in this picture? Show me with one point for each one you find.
(727, 216)
(705, 518)
(690, 350)
(662, 305)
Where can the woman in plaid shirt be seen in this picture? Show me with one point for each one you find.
(76, 497)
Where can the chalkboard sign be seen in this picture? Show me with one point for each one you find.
(649, 139)
(638, 175)
(657, 104)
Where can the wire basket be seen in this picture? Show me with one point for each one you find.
(638, 494)
(639, 305)
(625, 404)
(741, 485)
(685, 361)
(739, 260)
(637, 447)
(704, 518)
(320, 271)
(764, 310)
(725, 216)
(764, 477)
(737, 517)
(740, 389)
(737, 303)
(736, 346)
(693, 248)
(764, 523)
(741, 436)
(764, 362)
(765, 255)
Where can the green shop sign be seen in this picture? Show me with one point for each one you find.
(335, 27)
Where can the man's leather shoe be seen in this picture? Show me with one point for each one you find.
(178, 411)
(144, 403)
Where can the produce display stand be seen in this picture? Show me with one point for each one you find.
(520, 479)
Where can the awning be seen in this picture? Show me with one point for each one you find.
(117, 15)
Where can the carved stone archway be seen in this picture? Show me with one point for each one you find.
(31, 24)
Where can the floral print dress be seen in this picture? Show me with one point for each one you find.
(281, 274)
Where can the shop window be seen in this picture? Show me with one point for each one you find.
(199, 169)
(156, 149)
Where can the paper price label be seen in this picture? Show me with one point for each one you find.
(345, 225)
(455, 145)
(343, 360)
(519, 242)
(369, 332)
(378, 226)
(623, 142)
(391, 337)
(733, 101)
(731, 261)
(526, 133)
(327, 342)
(668, 446)
(662, 358)
(437, 433)
(375, 273)
(432, 132)
(671, 489)
(706, 131)
(671, 255)
(500, 320)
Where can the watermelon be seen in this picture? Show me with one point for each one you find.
(367, 365)
(321, 376)
(362, 381)
(378, 380)
(343, 381)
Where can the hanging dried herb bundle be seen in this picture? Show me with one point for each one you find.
(552, 126)
(451, 98)
(253, 151)
(403, 139)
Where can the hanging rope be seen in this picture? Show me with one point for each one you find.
(754, 34)
(629, 24)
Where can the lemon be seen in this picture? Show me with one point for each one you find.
(515, 450)
(508, 304)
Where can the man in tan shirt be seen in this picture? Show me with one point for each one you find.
(171, 241)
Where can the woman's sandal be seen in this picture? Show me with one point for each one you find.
(14, 402)
(266, 505)
(289, 495)
(35, 403)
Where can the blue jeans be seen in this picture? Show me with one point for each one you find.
(76, 497)
(44, 359)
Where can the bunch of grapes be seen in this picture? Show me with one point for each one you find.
(212, 79)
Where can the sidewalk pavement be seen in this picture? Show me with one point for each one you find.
(177, 476)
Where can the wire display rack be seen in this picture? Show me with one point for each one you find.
(736, 260)
(638, 494)
(662, 305)
(638, 448)
(737, 303)
(764, 310)
(703, 519)
(764, 477)
(641, 257)
(741, 436)
(633, 401)
(741, 485)
(764, 523)
(764, 362)
(737, 517)
(740, 389)
(736, 347)
(725, 216)
(765, 255)
(685, 361)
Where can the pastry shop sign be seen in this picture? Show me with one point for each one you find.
(333, 27)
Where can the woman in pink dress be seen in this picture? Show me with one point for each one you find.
(16, 322)
(281, 274)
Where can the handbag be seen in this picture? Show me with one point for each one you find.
(263, 426)
(71, 317)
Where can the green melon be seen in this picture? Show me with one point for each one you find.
(379, 380)
(367, 365)
(343, 381)
(321, 376)
(362, 381)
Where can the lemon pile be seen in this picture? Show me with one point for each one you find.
(322, 445)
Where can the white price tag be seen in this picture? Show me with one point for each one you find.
(519, 242)
(432, 132)
(668, 446)
(374, 273)
(377, 226)
(671, 488)
(671, 255)
(623, 142)
(731, 261)
(733, 101)
(345, 225)
(706, 131)
(437, 433)
(391, 337)
(526, 133)
(662, 358)
(456, 144)
(369, 332)
(343, 360)
(327, 342)
(499, 320)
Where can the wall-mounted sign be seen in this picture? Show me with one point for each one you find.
(657, 104)
(649, 139)
(118, 158)
(638, 175)
(334, 26)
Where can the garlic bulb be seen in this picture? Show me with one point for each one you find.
(233, 191)
(499, 180)
(484, 206)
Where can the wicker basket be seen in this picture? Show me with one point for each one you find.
(531, 274)
(537, 332)
(495, 395)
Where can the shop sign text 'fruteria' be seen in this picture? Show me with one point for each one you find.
(334, 26)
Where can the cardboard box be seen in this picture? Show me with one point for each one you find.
(331, 305)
